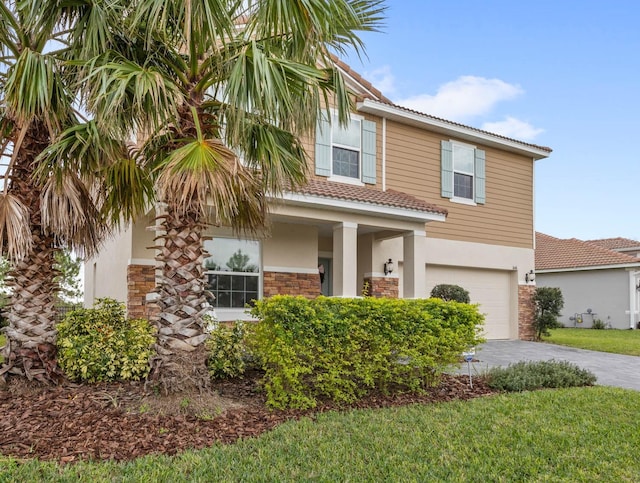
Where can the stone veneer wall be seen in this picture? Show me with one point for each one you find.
(285, 283)
(141, 279)
(382, 286)
(526, 312)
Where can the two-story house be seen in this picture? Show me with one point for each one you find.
(398, 202)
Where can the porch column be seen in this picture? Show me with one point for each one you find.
(413, 267)
(345, 259)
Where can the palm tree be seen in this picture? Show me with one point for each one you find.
(42, 211)
(218, 94)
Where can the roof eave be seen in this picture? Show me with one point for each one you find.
(468, 134)
(585, 268)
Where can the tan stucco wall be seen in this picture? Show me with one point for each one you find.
(106, 274)
(291, 245)
(143, 240)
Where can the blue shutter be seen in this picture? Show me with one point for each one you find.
(479, 177)
(368, 152)
(446, 171)
(323, 146)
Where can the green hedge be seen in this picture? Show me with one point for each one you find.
(341, 349)
(101, 344)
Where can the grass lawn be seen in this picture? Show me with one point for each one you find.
(616, 341)
(580, 434)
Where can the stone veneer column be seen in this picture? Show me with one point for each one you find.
(141, 279)
(288, 283)
(526, 312)
(382, 287)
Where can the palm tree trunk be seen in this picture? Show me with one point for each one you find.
(182, 302)
(30, 350)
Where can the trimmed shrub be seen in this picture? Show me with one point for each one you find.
(341, 349)
(598, 324)
(527, 376)
(450, 292)
(548, 302)
(227, 351)
(100, 344)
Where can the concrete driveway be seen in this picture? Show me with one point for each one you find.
(610, 369)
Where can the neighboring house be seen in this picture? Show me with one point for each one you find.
(444, 202)
(599, 279)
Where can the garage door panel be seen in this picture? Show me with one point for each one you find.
(490, 289)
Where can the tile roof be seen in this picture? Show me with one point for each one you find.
(615, 243)
(362, 194)
(375, 93)
(556, 253)
(471, 128)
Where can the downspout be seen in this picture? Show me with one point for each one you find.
(384, 154)
(633, 293)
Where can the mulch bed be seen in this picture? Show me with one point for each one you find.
(71, 422)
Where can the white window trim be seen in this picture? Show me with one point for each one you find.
(240, 313)
(460, 199)
(346, 179)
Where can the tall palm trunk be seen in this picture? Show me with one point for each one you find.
(181, 299)
(31, 334)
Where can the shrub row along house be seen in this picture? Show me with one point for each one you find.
(599, 279)
(397, 202)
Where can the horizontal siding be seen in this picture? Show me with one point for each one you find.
(413, 166)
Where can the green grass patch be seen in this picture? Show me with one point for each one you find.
(577, 434)
(617, 341)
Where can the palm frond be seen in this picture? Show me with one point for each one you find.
(35, 89)
(124, 93)
(203, 174)
(127, 191)
(276, 155)
(15, 235)
(68, 211)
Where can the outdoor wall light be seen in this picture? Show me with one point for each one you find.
(388, 267)
(529, 277)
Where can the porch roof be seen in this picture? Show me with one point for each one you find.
(370, 196)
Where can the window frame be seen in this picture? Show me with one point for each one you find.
(234, 313)
(448, 171)
(463, 199)
(336, 125)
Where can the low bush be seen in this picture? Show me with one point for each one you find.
(598, 324)
(341, 349)
(227, 351)
(101, 344)
(527, 376)
(450, 292)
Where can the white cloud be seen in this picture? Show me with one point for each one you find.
(463, 98)
(513, 128)
(382, 79)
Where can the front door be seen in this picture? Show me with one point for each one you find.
(325, 265)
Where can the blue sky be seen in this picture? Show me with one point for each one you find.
(563, 74)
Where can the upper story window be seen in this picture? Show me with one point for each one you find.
(345, 149)
(463, 172)
(348, 153)
(233, 271)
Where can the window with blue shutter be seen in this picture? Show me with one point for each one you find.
(346, 153)
(462, 172)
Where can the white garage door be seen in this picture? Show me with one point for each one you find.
(489, 288)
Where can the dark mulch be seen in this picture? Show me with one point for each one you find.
(121, 421)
